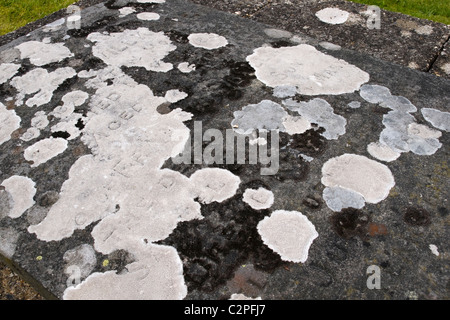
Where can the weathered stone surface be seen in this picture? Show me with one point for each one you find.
(401, 39)
(114, 200)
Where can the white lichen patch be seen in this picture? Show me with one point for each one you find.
(288, 233)
(185, 67)
(338, 198)
(41, 83)
(213, 184)
(133, 48)
(156, 275)
(438, 119)
(130, 141)
(266, 115)
(41, 53)
(434, 249)
(30, 134)
(44, 150)
(99, 78)
(9, 122)
(296, 125)
(21, 191)
(40, 120)
(209, 41)
(330, 46)
(68, 126)
(83, 257)
(240, 296)
(309, 70)
(320, 112)
(148, 16)
(359, 174)
(175, 95)
(382, 152)
(332, 15)
(123, 12)
(258, 199)
(7, 71)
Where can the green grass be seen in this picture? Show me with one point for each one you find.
(17, 13)
(435, 10)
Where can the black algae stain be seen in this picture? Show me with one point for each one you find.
(95, 26)
(350, 223)
(61, 134)
(417, 216)
(118, 4)
(213, 248)
(310, 143)
(280, 44)
(240, 76)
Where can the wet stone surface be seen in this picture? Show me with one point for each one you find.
(95, 202)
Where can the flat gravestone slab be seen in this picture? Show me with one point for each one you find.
(119, 178)
(396, 38)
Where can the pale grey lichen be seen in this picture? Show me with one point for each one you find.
(382, 95)
(354, 105)
(8, 241)
(266, 115)
(83, 257)
(338, 198)
(401, 132)
(284, 91)
(438, 119)
(277, 33)
(320, 112)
